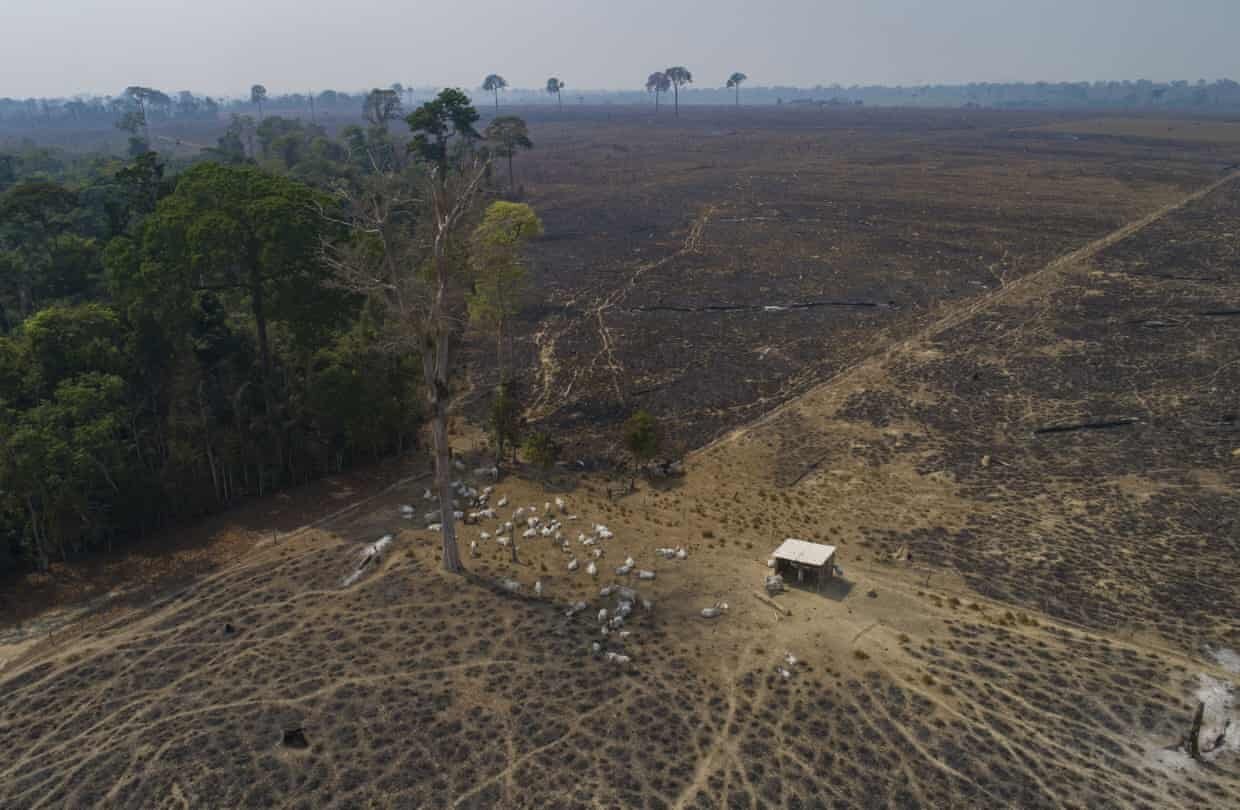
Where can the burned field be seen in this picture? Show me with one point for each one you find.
(1006, 361)
(278, 684)
(1090, 421)
(709, 270)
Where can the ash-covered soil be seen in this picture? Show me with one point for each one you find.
(1033, 492)
(710, 269)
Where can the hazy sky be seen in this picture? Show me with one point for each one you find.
(61, 47)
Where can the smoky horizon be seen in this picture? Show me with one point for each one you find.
(223, 49)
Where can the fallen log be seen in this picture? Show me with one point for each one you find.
(796, 305)
(767, 600)
(1103, 424)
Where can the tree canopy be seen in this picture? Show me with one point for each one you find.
(555, 87)
(436, 124)
(493, 83)
(678, 76)
(507, 134)
(658, 83)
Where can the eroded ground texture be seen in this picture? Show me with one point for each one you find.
(711, 270)
(1027, 452)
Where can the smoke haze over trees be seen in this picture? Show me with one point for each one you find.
(184, 105)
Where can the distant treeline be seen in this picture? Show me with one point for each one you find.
(156, 105)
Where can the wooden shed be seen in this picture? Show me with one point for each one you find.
(798, 559)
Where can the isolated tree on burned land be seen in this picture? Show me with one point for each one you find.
(508, 133)
(407, 256)
(678, 76)
(555, 87)
(500, 277)
(541, 450)
(657, 83)
(641, 438)
(493, 83)
(504, 419)
(735, 81)
(258, 94)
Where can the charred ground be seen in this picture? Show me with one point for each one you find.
(1033, 603)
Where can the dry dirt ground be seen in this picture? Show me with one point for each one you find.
(1033, 489)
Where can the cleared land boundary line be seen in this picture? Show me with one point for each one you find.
(97, 615)
(968, 309)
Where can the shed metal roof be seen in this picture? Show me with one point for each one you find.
(805, 553)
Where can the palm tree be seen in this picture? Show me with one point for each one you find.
(678, 76)
(735, 80)
(554, 86)
(258, 94)
(493, 84)
(657, 83)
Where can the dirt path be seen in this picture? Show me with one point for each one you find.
(968, 309)
(549, 366)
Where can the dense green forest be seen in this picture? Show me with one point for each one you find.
(173, 338)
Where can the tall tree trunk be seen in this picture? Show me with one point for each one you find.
(559, 100)
(656, 102)
(40, 545)
(738, 95)
(676, 97)
(497, 99)
(258, 302)
(436, 354)
(512, 180)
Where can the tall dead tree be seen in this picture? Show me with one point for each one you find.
(452, 199)
(407, 229)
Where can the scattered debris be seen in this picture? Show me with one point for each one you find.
(766, 600)
(576, 608)
(873, 594)
(774, 584)
(370, 555)
(538, 587)
(716, 611)
(592, 569)
(1103, 424)
(510, 585)
(294, 738)
(572, 564)
(229, 629)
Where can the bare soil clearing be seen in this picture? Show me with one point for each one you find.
(1046, 606)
